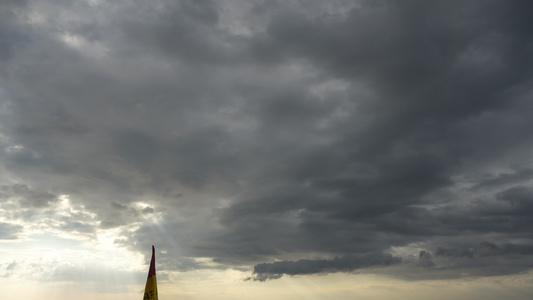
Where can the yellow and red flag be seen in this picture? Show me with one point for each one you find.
(150, 291)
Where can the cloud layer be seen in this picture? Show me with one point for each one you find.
(273, 133)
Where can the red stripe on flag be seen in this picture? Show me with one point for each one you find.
(151, 272)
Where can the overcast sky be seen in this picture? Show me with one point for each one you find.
(281, 149)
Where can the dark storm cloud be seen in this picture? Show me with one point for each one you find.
(287, 130)
(473, 260)
(516, 176)
(425, 259)
(275, 270)
(520, 198)
(486, 249)
(433, 73)
(185, 30)
(12, 33)
(509, 213)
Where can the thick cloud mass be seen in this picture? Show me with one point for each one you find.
(278, 134)
(275, 270)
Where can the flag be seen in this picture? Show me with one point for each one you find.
(150, 291)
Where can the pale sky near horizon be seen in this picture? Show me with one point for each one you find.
(269, 149)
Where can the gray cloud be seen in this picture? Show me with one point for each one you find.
(276, 270)
(469, 261)
(13, 35)
(9, 231)
(425, 259)
(486, 249)
(26, 196)
(9, 269)
(287, 130)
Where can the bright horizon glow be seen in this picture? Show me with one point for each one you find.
(222, 285)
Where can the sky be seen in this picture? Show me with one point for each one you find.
(268, 149)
